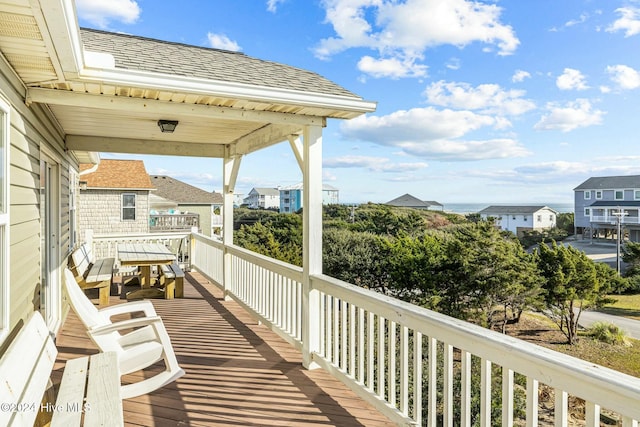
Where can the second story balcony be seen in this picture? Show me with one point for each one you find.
(382, 359)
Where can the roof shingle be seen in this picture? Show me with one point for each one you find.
(145, 54)
(116, 174)
(181, 192)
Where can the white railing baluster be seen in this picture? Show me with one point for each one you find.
(485, 393)
(404, 370)
(432, 401)
(352, 340)
(417, 378)
(532, 402)
(361, 349)
(323, 326)
(465, 389)
(343, 333)
(381, 356)
(370, 346)
(629, 422)
(329, 317)
(448, 385)
(336, 331)
(560, 409)
(592, 414)
(507, 397)
(392, 364)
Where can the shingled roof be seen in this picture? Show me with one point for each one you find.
(116, 174)
(610, 183)
(408, 201)
(145, 54)
(181, 192)
(513, 210)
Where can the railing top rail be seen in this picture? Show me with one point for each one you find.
(165, 235)
(611, 389)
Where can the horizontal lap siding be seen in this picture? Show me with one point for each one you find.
(31, 128)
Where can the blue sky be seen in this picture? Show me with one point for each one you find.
(505, 101)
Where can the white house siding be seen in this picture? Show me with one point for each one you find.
(518, 222)
(31, 129)
(100, 211)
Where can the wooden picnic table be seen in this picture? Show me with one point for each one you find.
(144, 255)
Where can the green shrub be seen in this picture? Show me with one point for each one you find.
(608, 333)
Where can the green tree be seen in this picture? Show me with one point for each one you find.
(565, 221)
(571, 284)
(487, 276)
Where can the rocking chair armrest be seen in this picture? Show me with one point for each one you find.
(130, 307)
(126, 324)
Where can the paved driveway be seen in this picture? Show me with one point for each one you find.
(630, 326)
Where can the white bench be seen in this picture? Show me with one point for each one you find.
(92, 273)
(172, 278)
(25, 370)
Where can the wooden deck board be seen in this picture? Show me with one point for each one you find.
(237, 372)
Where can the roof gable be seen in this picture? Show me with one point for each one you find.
(172, 189)
(116, 174)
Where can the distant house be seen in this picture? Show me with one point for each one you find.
(519, 219)
(291, 197)
(409, 201)
(114, 197)
(263, 198)
(598, 200)
(188, 198)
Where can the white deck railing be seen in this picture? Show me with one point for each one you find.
(105, 245)
(417, 366)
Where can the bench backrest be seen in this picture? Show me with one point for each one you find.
(82, 259)
(25, 369)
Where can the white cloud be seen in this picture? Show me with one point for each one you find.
(520, 75)
(391, 67)
(374, 164)
(221, 41)
(624, 77)
(102, 12)
(487, 98)
(629, 21)
(573, 115)
(272, 5)
(571, 80)
(404, 30)
(581, 20)
(434, 134)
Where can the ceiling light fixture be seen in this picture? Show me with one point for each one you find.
(167, 126)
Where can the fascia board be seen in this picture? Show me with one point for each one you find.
(204, 87)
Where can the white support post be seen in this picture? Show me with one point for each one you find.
(230, 167)
(311, 242)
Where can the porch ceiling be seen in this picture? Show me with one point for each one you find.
(108, 91)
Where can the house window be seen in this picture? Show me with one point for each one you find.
(128, 206)
(587, 212)
(551, 218)
(539, 218)
(524, 217)
(587, 195)
(4, 219)
(598, 194)
(636, 194)
(619, 195)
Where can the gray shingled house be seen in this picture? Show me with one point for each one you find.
(409, 201)
(599, 201)
(207, 206)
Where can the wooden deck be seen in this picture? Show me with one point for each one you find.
(237, 372)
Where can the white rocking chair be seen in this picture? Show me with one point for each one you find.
(138, 349)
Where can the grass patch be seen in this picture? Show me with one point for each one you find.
(540, 330)
(625, 305)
